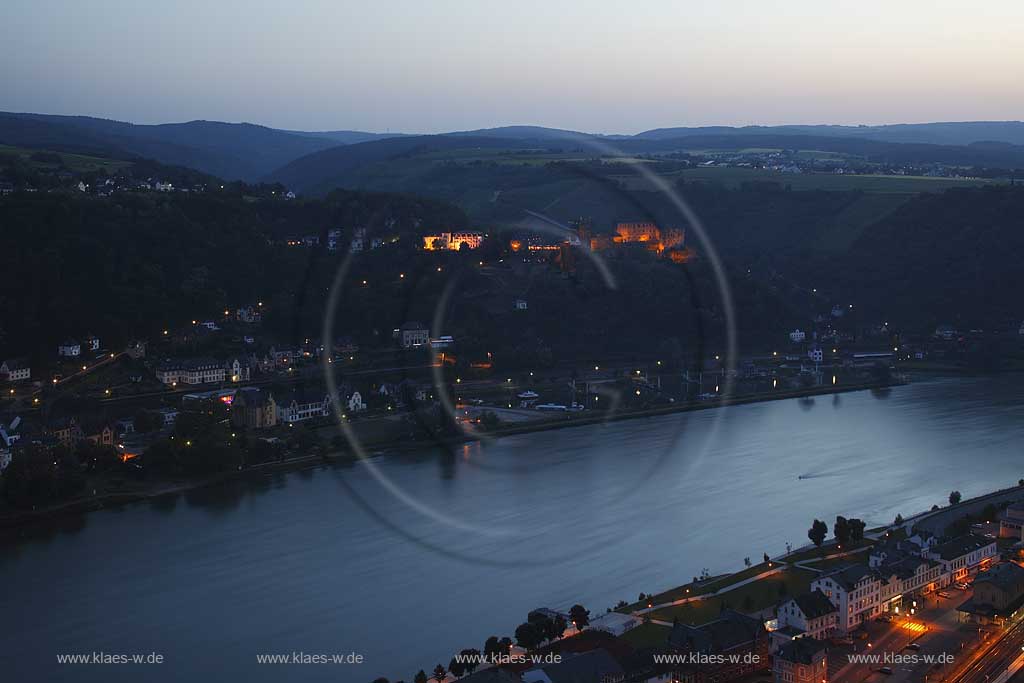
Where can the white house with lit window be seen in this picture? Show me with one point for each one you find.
(190, 371)
(300, 406)
(812, 614)
(15, 370)
(413, 335)
(855, 591)
(238, 370)
(356, 403)
(964, 556)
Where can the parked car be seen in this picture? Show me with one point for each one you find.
(861, 635)
(913, 646)
(885, 618)
(885, 670)
(943, 594)
(838, 640)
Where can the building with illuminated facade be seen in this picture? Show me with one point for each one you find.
(452, 241)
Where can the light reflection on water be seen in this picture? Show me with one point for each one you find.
(290, 562)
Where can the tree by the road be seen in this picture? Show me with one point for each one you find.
(580, 616)
(856, 529)
(817, 532)
(954, 497)
(528, 636)
(841, 530)
(440, 673)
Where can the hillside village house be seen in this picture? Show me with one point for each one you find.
(249, 315)
(804, 660)
(253, 408)
(101, 435)
(8, 437)
(413, 334)
(15, 370)
(66, 432)
(92, 343)
(190, 371)
(300, 406)
(284, 356)
(355, 402)
(238, 370)
(168, 416)
(69, 349)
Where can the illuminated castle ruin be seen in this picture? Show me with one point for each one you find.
(452, 241)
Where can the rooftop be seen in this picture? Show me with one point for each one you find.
(801, 650)
(1006, 576)
(814, 604)
(960, 546)
(729, 631)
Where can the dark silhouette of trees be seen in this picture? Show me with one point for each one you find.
(580, 616)
(817, 532)
(841, 530)
(856, 529)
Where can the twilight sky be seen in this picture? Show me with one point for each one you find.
(440, 65)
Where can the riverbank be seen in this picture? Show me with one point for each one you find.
(16, 518)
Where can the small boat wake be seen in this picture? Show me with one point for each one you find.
(833, 473)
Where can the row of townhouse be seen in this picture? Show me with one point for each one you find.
(254, 408)
(896, 573)
(203, 371)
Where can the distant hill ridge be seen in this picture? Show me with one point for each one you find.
(251, 152)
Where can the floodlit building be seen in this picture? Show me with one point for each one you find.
(452, 241)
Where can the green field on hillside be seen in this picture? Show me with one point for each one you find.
(52, 161)
(734, 177)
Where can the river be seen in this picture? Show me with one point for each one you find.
(327, 560)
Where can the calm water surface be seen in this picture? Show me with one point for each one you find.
(296, 562)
